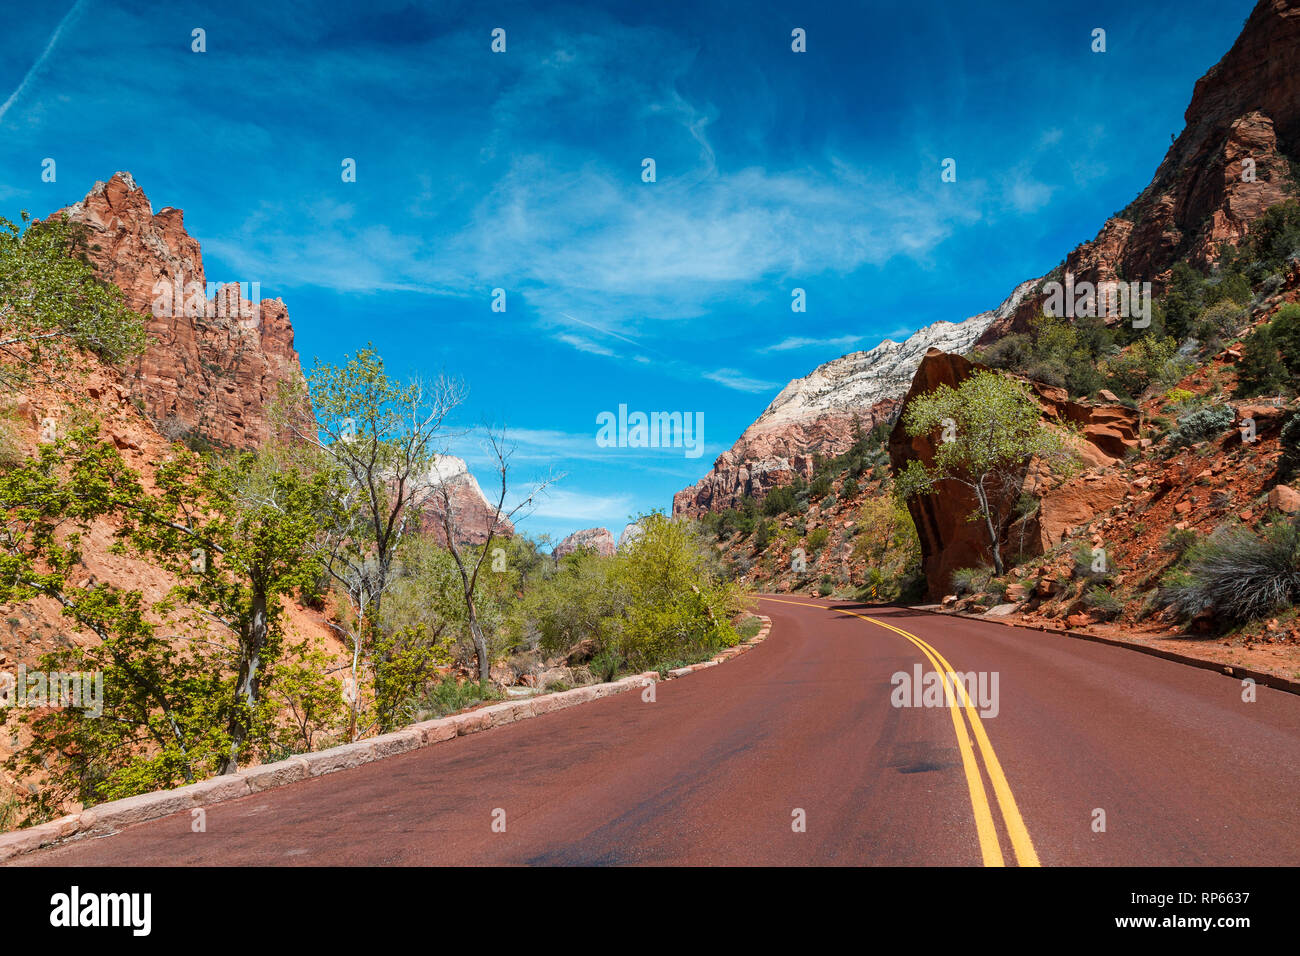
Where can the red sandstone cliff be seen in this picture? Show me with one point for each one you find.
(950, 541)
(213, 366)
(1246, 108)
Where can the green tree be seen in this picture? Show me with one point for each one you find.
(240, 536)
(677, 601)
(381, 439)
(989, 430)
(52, 305)
(1261, 369)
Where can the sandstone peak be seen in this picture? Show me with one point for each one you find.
(599, 540)
(213, 365)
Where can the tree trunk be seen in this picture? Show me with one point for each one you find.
(994, 545)
(249, 684)
(480, 642)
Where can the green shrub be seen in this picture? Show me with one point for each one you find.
(817, 539)
(1179, 541)
(1084, 559)
(450, 695)
(1238, 575)
(1289, 462)
(1202, 425)
(970, 580)
(1103, 603)
(1261, 370)
(1221, 320)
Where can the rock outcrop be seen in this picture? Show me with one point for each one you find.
(821, 413)
(949, 540)
(213, 365)
(1228, 165)
(599, 540)
(473, 516)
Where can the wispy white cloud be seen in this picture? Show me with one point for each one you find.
(802, 342)
(735, 379)
(35, 68)
(584, 345)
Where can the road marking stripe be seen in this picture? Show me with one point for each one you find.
(985, 828)
(1016, 829)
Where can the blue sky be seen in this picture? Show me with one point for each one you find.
(523, 171)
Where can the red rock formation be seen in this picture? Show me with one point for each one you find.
(213, 373)
(1247, 106)
(599, 540)
(473, 515)
(949, 540)
(764, 458)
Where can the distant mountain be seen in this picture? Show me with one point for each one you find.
(817, 414)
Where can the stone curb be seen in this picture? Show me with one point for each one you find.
(105, 818)
(1231, 670)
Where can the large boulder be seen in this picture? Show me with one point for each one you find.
(949, 540)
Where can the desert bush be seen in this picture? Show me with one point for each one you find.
(1201, 425)
(1221, 320)
(1239, 575)
(889, 547)
(1179, 541)
(970, 580)
(1103, 603)
(817, 539)
(1084, 559)
(1289, 441)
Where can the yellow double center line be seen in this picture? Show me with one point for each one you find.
(959, 701)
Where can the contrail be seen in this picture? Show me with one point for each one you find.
(54, 38)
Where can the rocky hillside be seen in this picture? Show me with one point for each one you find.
(214, 365)
(1235, 157)
(817, 414)
(1246, 108)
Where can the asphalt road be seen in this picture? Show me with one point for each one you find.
(723, 766)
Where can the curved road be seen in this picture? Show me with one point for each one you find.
(725, 763)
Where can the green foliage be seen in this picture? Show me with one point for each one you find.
(1103, 603)
(1179, 541)
(449, 695)
(662, 598)
(1238, 575)
(235, 536)
(52, 305)
(1202, 425)
(1289, 441)
(675, 601)
(1146, 362)
(1183, 300)
(1261, 370)
(817, 539)
(989, 428)
(970, 580)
